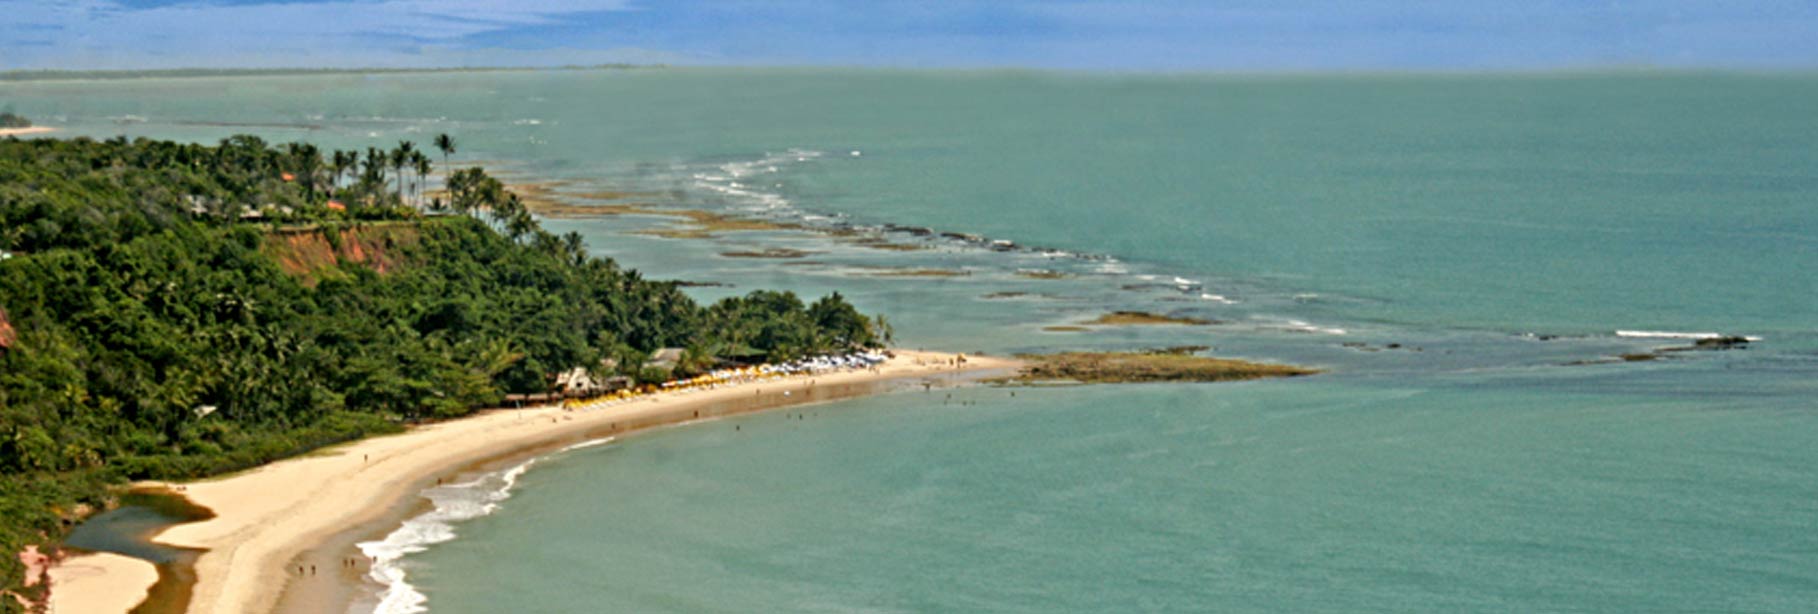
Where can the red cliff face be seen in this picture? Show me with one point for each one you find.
(311, 254)
(7, 336)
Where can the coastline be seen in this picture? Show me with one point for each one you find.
(314, 507)
(6, 132)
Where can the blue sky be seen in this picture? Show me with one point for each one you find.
(1216, 35)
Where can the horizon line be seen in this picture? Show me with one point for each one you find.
(55, 74)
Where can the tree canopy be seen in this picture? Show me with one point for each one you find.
(177, 310)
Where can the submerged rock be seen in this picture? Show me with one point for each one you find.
(1167, 365)
(1721, 343)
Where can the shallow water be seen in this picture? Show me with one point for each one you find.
(1497, 228)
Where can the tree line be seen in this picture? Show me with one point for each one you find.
(157, 333)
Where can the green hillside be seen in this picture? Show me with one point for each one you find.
(172, 311)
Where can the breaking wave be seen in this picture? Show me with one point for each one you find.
(452, 504)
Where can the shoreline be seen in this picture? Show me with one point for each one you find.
(338, 592)
(6, 132)
(314, 507)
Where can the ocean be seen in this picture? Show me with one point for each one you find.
(1466, 255)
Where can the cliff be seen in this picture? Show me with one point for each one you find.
(315, 253)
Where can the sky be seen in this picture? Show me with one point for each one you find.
(1137, 35)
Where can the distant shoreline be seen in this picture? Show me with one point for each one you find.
(6, 132)
(311, 509)
(179, 73)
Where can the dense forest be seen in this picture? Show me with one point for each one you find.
(173, 310)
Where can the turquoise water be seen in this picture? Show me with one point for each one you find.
(1254, 497)
(1499, 229)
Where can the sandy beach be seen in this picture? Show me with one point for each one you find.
(100, 582)
(6, 132)
(268, 517)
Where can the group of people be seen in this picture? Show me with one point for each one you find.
(310, 570)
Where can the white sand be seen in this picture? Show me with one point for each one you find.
(100, 582)
(270, 515)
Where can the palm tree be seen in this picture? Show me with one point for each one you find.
(308, 161)
(574, 248)
(447, 145)
(373, 175)
(882, 329)
(400, 157)
(342, 161)
(421, 162)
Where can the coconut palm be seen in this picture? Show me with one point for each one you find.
(574, 248)
(373, 172)
(399, 158)
(421, 164)
(447, 145)
(341, 162)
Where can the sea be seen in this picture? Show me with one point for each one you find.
(1468, 257)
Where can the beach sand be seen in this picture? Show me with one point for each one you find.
(6, 132)
(100, 582)
(272, 518)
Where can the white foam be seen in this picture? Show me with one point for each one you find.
(1216, 298)
(1665, 334)
(589, 444)
(452, 504)
(1112, 267)
(1669, 334)
(1302, 326)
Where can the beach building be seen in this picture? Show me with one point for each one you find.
(665, 358)
(577, 382)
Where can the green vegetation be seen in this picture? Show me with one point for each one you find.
(9, 119)
(174, 311)
(1166, 365)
